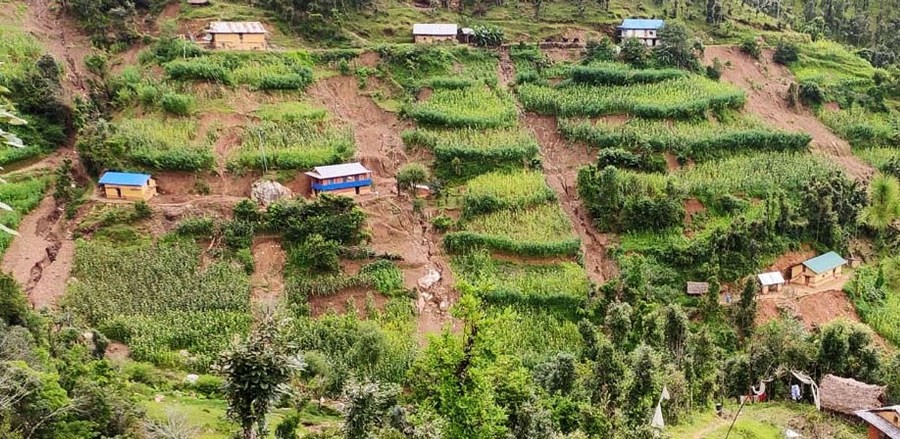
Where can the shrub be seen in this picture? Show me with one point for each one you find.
(177, 104)
(473, 107)
(96, 64)
(633, 52)
(811, 93)
(203, 227)
(466, 153)
(622, 158)
(786, 52)
(316, 254)
(197, 70)
(488, 36)
(208, 385)
(412, 174)
(442, 222)
(751, 46)
(142, 210)
(602, 50)
(238, 234)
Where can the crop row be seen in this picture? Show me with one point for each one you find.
(300, 144)
(472, 107)
(259, 71)
(163, 144)
(538, 231)
(697, 140)
(469, 152)
(864, 128)
(622, 75)
(683, 98)
(506, 190)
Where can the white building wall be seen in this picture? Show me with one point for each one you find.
(647, 36)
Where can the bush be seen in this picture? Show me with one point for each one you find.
(603, 50)
(208, 385)
(96, 64)
(442, 222)
(811, 93)
(177, 104)
(201, 227)
(238, 234)
(412, 174)
(786, 52)
(142, 210)
(488, 36)
(622, 158)
(751, 46)
(714, 70)
(197, 70)
(316, 254)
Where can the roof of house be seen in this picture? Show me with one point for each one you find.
(641, 23)
(468, 31)
(124, 178)
(441, 29)
(342, 170)
(697, 288)
(847, 396)
(771, 278)
(823, 263)
(236, 27)
(883, 425)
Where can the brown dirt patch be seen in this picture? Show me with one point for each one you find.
(561, 162)
(117, 352)
(766, 84)
(692, 206)
(505, 70)
(177, 186)
(40, 258)
(563, 55)
(671, 162)
(813, 310)
(368, 59)
(790, 259)
(267, 281)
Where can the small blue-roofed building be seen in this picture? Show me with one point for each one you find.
(127, 186)
(821, 269)
(344, 179)
(645, 30)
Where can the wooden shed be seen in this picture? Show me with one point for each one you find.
(345, 179)
(884, 423)
(127, 186)
(771, 281)
(434, 32)
(819, 269)
(848, 396)
(237, 35)
(697, 288)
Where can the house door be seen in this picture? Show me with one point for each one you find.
(118, 193)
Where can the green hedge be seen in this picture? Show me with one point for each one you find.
(458, 242)
(622, 76)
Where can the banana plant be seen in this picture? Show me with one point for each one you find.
(8, 118)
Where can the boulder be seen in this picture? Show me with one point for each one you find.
(266, 192)
(432, 277)
(191, 378)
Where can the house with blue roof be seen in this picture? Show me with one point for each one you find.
(127, 186)
(645, 30)
(345, 179)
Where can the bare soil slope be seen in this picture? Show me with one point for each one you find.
(62, 38)
(766, 84)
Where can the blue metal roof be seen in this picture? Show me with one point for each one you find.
(124, 178)
(641, 23)
(823, 263)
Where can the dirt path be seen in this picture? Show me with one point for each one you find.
(505, 71)
(40, 258)
(561, 163)
(395, 228)
(61, 37)
(766, 84)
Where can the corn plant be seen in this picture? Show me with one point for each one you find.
(473, 107)
(164, 144)
(297, 144)
(506, 190)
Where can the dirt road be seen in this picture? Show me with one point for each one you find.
(766, 84)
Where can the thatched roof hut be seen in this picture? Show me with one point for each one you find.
(697, 288)
(847, 396)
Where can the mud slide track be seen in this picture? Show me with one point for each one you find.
(766, 83)
(395, 227)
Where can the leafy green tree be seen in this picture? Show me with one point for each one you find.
(675, 48)
(745, 313)
(675, 331)
(557, 375)
(368, 406)
(884, 205)
(618, 322)
(645, 383)
(412, 174)
(254, 372)
(634, 53)
(786, 52)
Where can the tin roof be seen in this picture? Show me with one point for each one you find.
(641, 23)
(443, 29)
(771, 278)
(124, 179)
(823, 263)
(341, 170)
(236, 27)
(697, 288)
(883, 425)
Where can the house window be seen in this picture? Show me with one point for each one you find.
(351, 178)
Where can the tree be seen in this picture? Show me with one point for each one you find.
(884, 205)
(368, 405)
(634, 52)
(618, 321)
(412, 174)
(675, 48)
(675, 331)
(746, 309)
(786, 52)
(254, 372)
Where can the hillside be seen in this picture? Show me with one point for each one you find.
(519, 267)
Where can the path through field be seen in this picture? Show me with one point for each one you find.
(766, 84)
(395, 228)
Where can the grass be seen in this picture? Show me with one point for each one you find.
(863, 128)
(471, 107)
(291, 111)
(544, 223)
(465, 153)
(831, 64)
(764, 421)
(876, 157)
(678, 98)
(532, 335)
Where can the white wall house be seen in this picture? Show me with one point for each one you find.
(643, 29)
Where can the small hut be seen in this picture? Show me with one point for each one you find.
(434, 32)
(127, 186)
(819, 269)
(346, 179)
(237, 35)
(697, 288)
(884, 423)
(771, 281)
(848, 396)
